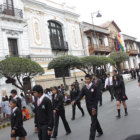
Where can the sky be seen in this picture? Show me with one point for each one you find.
(126, 13)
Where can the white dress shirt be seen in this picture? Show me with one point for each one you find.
(108, 81)
(41, 99)
(89, 86)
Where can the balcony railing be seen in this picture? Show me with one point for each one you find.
(99, 49)
(10, 11)
(132, 52)
(63, 47)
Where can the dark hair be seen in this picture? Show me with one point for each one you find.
(13, 91)
(117, 76)
(24, 107)
(96, 75)
(6, 98)
(55, 88)
(115, 71)
(21, 95)
(108, 74)
(13, 101)
(59, 87)
(82, 80)
(88, 76)
(38, 89)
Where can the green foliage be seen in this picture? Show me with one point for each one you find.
(119, 57)
(106, 60)
(19, 66)
(62, 62)
(17, 69)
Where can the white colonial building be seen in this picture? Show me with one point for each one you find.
(40, 30)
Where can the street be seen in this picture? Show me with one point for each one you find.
(113, 129)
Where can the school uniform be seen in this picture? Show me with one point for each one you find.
(58, 105)
(98, 83)
(17, 123)
(74, 94)
(43, 117)
(109, 86)
(91, 94)
(119, 90)
(18, 101)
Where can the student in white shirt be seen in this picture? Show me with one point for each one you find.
(109, 85)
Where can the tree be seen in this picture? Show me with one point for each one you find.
(64, 62)
(19, 71)
(119, 57)
(90, 63)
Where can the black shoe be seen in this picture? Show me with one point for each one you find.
(68, 133)
(99, 134)
(118, 117)
(126, 114)
(53, 137)
(72, 119)
(83, 115)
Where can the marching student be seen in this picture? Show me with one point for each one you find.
(90, 91)
(119, 91)
(109, 85)
(15, 97)
(74, 94)
(59, 111)
(98, 83)
(43, 114)
(17, 129)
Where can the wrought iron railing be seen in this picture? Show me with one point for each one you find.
(11, 11)
(63, 47)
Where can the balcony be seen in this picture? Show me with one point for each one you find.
(103, 50)
(7, 11)
(62, 47)
(132, 52)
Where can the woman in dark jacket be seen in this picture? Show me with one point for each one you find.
(119, 91)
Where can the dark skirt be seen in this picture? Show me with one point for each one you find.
(20, 132)
(120, 96)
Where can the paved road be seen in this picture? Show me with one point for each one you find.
(113, 129)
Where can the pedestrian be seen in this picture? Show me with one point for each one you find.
(7, 108)
(17, 129)
(119, 91)
(48, 93)
(98, 83)
(59, 111)
(76, 84)
(82, 83)
(43, 114)
(109, 85)
(15, 97)
(23, 100)
(74, 93)
(3, 108)
(137, 71)
(25, 113)
(90, 91)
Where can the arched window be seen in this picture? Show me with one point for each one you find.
(56, 36)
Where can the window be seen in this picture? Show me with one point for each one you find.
(13, 48)
(62, 72)
(56, 36)
(8, 9)
(101, 42)
(89, 41)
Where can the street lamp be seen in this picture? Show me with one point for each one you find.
(98, 15)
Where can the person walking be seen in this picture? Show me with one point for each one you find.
(91, 93)
(119, 91)
(23, 100)
(43, 114)
(59, 111)
(109, 85)
(74, 94)
(17, 129)
(7, 108)
(98, 83)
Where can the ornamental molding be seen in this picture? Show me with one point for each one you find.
(12, 32)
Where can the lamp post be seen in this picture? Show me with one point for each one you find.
(98, 15)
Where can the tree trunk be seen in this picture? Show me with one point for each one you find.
(119, 68)
(64, 82)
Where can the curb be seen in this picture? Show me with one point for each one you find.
(9, 124)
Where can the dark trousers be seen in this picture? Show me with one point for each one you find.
(60, 113)
(110, 89)
(74, 109)
(100, 98)
(42, 133)
(95, 125)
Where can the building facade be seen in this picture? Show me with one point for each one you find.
(40, 30)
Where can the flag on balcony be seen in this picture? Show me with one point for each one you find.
(119, 45)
